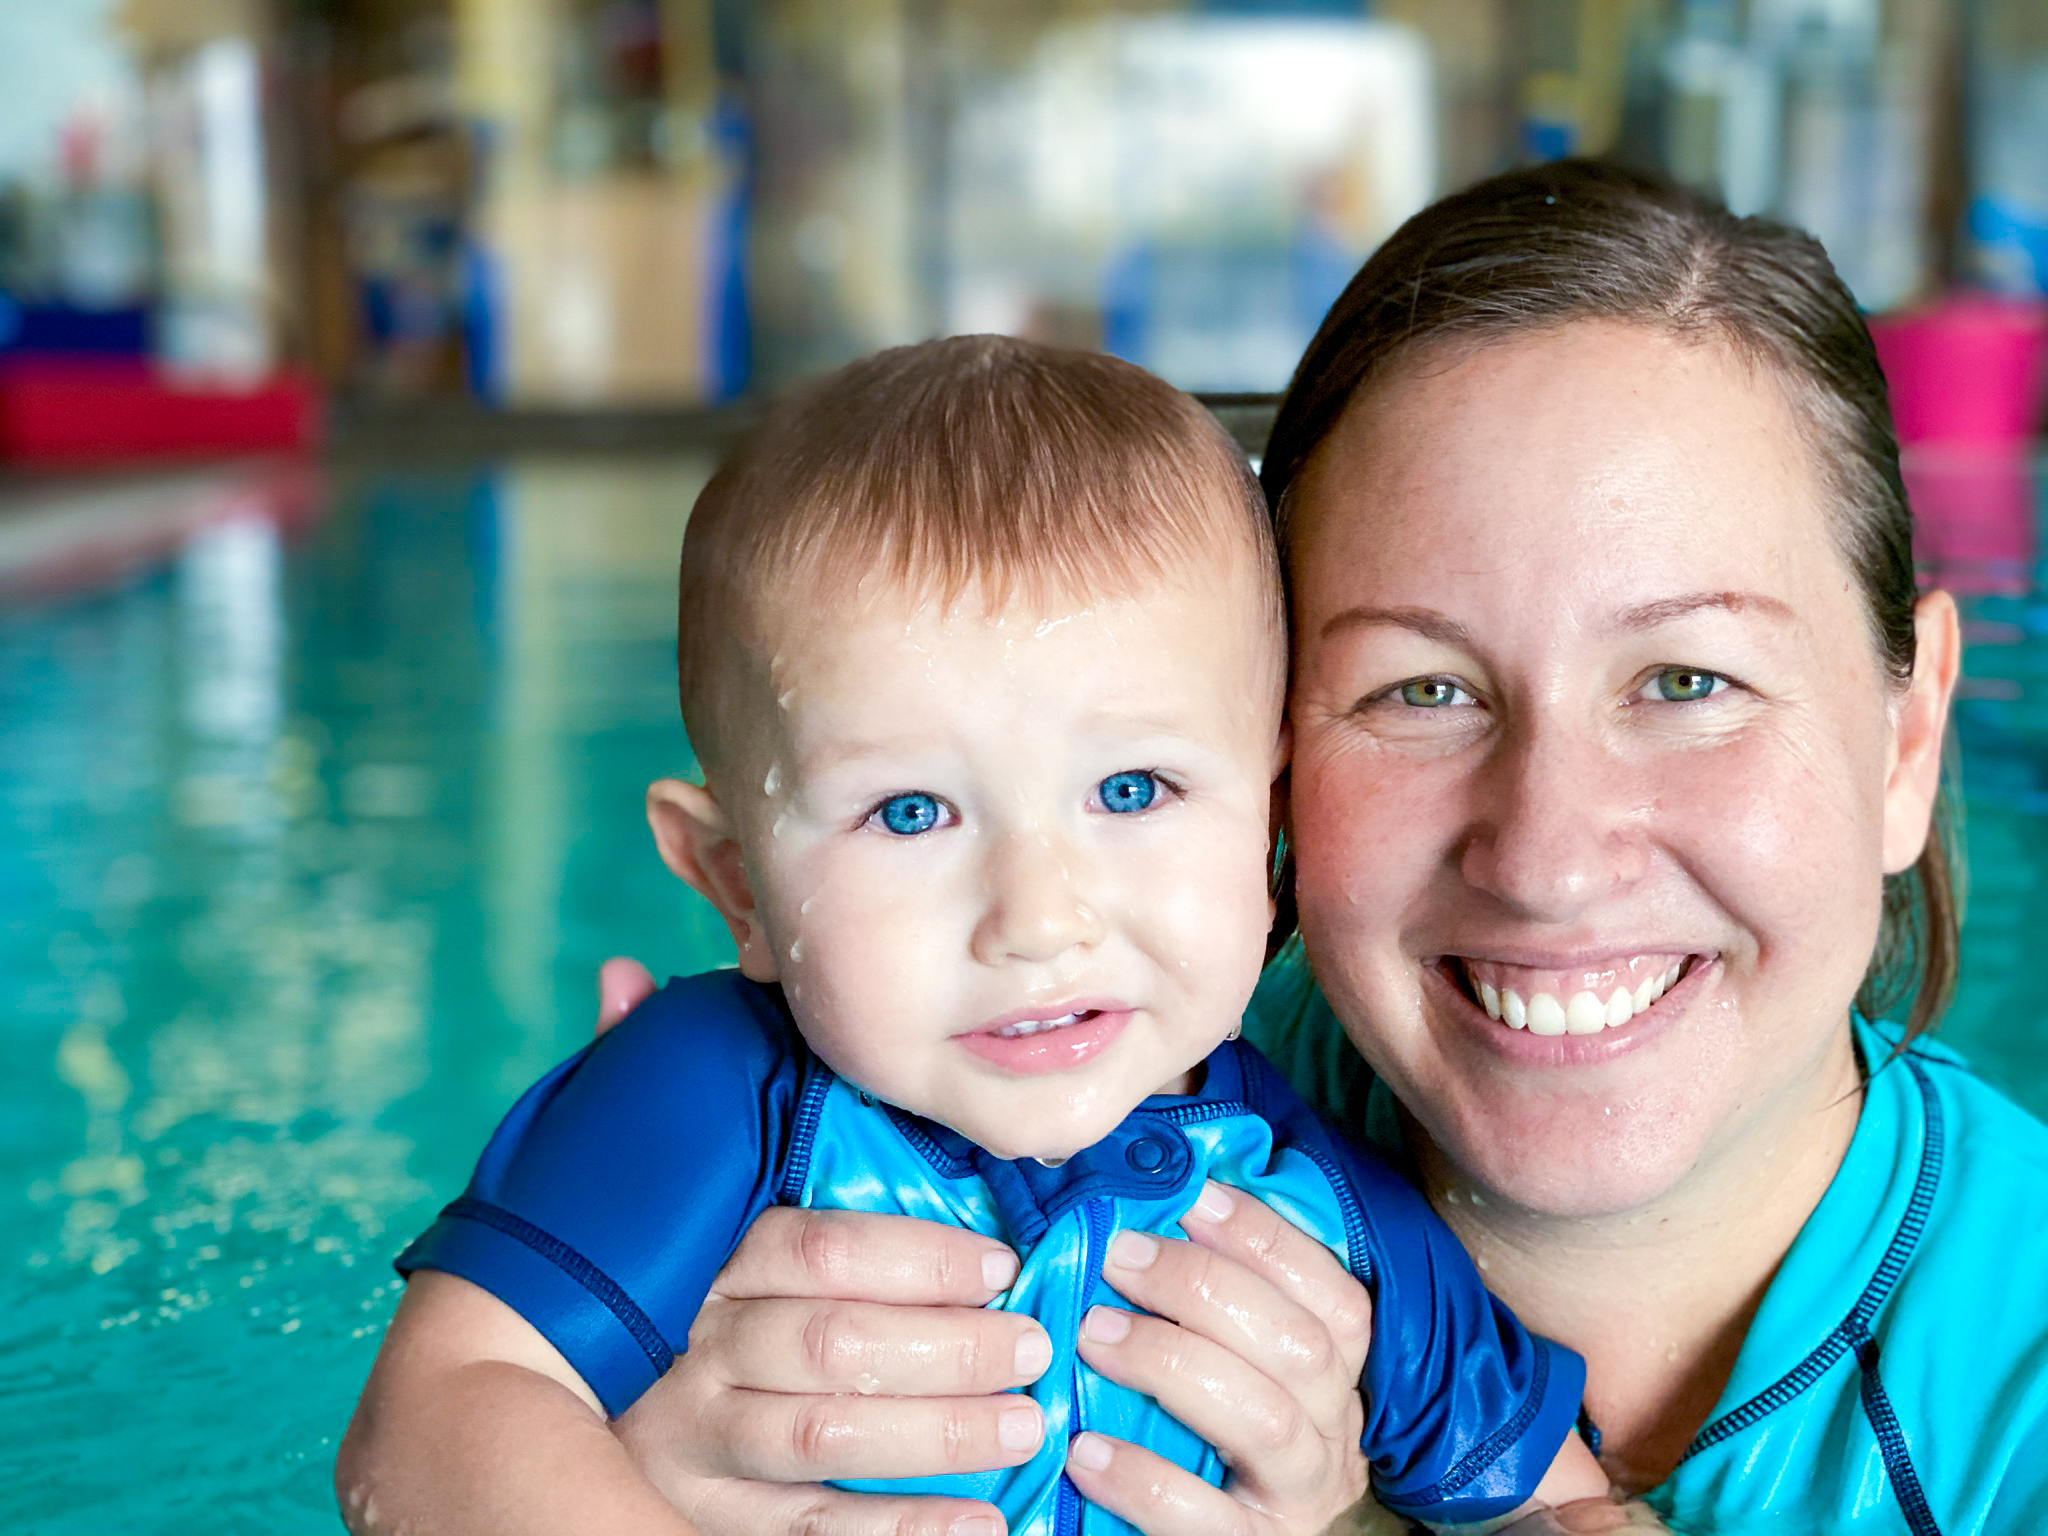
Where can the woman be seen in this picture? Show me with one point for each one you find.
(1610, 677)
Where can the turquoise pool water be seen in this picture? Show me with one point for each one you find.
(322, 805)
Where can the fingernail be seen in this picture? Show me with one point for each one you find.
(1089, 1452)
(975, 1525)
(1213, 1204)
(998, 1269)
(1034, 1354)
(1133, 1250)
(1106, 1325)
(1018, 1429)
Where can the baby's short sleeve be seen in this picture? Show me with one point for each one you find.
(1465, 1409)
(619, 1184)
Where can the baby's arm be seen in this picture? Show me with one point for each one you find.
(472, 1421)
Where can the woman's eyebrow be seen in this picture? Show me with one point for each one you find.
(1666, 609)
(1426, 622)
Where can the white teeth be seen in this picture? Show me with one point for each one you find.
(1513, 1009)
(1585, 1014)
(1037, 1026)
(1546, 1015)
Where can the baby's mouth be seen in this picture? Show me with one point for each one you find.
(1581, 1001)
(1018, 1029)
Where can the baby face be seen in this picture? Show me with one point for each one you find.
(1010, 866)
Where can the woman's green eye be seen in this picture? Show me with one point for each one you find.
(1430, 692)
(1682, 685)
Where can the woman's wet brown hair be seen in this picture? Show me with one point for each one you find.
(1575, 240)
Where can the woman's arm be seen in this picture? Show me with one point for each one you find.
(472, 1421)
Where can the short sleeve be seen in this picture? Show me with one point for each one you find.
(620, 1183)
(1465, 1409)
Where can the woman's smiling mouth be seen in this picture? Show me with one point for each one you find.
(1576, 1000)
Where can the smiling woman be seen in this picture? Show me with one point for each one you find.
(1617, 726)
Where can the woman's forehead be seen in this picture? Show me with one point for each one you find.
(1565, 453)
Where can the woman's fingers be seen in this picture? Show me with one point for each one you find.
(813, 1346)
(622, 986)
(738, 1508)
(787, 1438)
(1269, 1336)
(1233, 1224)
(1156, 1496)
(1263, 1431)
(1588, 1517)
(859, 1256)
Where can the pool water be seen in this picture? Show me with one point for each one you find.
(322, 805)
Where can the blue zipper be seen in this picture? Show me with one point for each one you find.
(1095, 1232)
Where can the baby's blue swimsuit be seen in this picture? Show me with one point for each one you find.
(618, 1186)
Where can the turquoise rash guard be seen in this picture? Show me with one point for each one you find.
(618, 1186)
(1896, 1376)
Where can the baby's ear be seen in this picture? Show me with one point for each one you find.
(697, 842)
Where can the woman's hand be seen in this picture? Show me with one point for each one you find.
(838, 1344)
(1257, 1343)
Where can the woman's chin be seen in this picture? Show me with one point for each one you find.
(1575, 1162)
(1574, 1126)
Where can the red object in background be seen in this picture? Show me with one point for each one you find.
(72, 411)
(1967, 372)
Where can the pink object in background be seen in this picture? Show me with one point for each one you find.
(1966, 372)
(1973, 519)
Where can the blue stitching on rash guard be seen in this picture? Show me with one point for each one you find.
(1890, 1267)
(1484, 1455)
(1891, 1441)
(571, 1263)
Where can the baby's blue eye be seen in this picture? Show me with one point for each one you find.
(1430, 692)
(1683, 685)
(908, 815)
(1126, 792)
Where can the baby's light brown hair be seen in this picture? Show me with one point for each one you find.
(979, 464)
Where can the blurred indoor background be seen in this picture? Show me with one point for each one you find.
(359, 360)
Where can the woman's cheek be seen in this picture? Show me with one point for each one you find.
(1369, 829)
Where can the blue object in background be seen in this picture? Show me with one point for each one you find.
(732, 324)
(65, 330)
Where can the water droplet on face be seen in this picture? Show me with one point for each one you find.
(774, 780)
(796, 951)
(782, 699)
(808, 903)
(775, 828)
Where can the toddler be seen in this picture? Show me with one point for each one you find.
(982, 651)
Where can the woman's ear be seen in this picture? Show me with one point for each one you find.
(1920, 724)
(697, 842)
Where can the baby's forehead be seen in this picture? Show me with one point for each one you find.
(812, 622)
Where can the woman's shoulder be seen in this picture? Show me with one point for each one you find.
(1961, 1348)
(1897, 1371)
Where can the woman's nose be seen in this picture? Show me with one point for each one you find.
(1037, 905)
(1559, 825)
